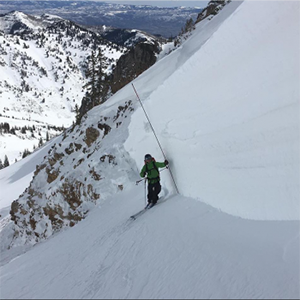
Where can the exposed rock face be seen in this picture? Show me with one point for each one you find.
(212, 8)
(133, 63)
(142, 49)
(138, 59)
(91, 135)
(83, 167)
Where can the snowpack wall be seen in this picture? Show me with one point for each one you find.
(227, 114)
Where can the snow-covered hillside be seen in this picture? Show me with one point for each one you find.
(46, 68)
(43, 60)
(225, 107)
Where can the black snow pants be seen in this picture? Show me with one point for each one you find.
(153, 191)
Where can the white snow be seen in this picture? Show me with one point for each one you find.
(53, 74)
(229, 120)
(181, 249)
(14, 179)
(225, 107)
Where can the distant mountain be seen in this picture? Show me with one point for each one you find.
(44, 64)
(165, 21)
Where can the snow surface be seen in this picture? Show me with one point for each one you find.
(229, 120)
(180, 249)
(48, 100)
(225, 106)
(16, 178)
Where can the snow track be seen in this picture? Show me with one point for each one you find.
(179, 249)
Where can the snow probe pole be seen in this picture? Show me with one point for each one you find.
(145, 193)
(137, 182)
(155, 136)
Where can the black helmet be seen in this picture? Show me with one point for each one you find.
(148, 157)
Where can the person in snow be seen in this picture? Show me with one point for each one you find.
(151, 169)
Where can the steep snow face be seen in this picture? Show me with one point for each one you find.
(228, 115)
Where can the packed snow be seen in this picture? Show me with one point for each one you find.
(180, 249)
(225, 108)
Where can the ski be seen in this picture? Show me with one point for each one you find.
(133, 217)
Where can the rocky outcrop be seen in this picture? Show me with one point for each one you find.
(91, 135)
(133, 63)
(79, 170)
(138, 59)
(212, 9)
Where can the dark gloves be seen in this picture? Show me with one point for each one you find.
(166, 162)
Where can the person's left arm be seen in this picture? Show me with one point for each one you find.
(161, 164)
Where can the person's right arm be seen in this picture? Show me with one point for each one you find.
(143, 171)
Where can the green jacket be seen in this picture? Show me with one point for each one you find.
(152, 171)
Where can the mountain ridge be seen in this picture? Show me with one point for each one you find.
(161, 21)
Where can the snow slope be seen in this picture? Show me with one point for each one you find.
(228, 122)
(181, 249)
(42, 76)
(20, 174)
(229, 119)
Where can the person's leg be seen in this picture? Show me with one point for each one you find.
(150, 192)
(156, 191)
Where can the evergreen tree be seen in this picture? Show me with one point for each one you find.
(26, 153)
(6, 127)
(41, 143)
(1, 164)
(6, 161)
(189, 25)
(100, 78)
(77, 114)
(96, 80)
(91, 75)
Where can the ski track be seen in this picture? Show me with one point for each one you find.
(109, 256)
